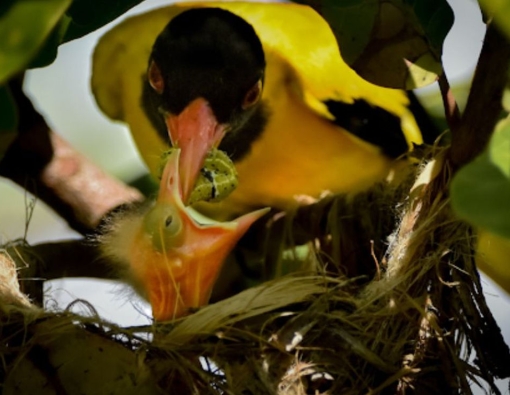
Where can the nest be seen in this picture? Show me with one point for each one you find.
(388, 300)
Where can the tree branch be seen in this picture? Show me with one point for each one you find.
(483, 107)
(47, 166)
(70, 258)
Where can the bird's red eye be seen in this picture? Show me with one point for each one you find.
(155, 78)
(252, 96)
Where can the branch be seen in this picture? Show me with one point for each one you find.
(483, 107)
(47, 166)
(451, 108)
(70, 258)
(48, 261)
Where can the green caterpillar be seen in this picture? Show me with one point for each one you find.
(217, 178)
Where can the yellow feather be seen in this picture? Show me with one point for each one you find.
(300, 151)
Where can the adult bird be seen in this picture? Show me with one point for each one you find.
(264, 82)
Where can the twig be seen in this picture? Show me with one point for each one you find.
(451, 109)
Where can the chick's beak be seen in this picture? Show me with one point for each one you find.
(175, 259)
(195, 131)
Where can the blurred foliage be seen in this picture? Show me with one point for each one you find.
(31, 32)
(89, 15)
(481, 190)
(392, 43)
(500, 11)
(81, 18)
(24, 27)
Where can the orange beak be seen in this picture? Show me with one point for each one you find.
(175, 258)
(195, 131)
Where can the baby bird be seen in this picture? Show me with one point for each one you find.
(170, 257)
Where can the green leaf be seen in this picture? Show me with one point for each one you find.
(352, 22)
(48, 52)
(480, 194)
(394, 43)
(8, 119)
(499, 148)
(89, 15)
(82, 17)
(436, 19)
(24, 27)
(500, 11)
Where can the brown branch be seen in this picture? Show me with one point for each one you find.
(47, 166)
(451, 109)
(70, 258)
(48, 261)
(483, 107)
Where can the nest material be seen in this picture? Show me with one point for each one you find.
(410, 324)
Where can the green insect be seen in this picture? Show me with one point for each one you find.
(217, 178)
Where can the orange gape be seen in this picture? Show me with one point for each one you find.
(174, 259)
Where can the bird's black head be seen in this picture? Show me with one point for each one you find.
(209, 53)
(205, 79)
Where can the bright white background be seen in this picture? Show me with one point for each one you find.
(61, 92)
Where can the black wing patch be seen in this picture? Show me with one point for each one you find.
(372, 124)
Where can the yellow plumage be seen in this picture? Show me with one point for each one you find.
(301, 152)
